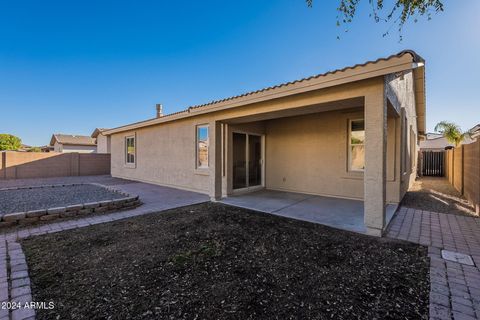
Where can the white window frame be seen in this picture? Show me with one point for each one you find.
(197, 150)
(127, 163)
(349, 151)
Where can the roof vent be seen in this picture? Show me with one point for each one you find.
(159, 110)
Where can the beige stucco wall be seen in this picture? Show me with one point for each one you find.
(103, 144)
(59, 147)
(308, 151)
(309, 154)
(400, 91)
(165, 155)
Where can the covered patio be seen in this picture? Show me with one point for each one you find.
(338, 213)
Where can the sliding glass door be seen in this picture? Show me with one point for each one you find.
(247, 160)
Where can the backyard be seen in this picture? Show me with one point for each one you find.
(437, 195)
(216, 261)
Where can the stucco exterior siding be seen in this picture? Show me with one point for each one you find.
(103, 144)
(59, 147)
(305, 143)
(400, 92)
(166, 152)
(304, 127)
(165, 155)
(308, 154)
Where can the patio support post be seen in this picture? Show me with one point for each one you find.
(375, 162)
(215, 138)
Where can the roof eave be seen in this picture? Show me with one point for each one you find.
(365, 71)
(420, 98)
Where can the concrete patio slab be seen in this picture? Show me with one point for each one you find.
(339, 213)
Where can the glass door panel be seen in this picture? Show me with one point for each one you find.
(239, 160)
(254, 160)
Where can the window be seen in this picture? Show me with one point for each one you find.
(202, 146)
(413, 153)
(130, 150)
(404, 144)
(356, 147)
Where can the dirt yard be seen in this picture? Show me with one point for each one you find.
(437, 195)
(213, 261)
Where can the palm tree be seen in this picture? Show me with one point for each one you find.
(452, 132)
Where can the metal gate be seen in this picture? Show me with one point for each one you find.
(433, 163)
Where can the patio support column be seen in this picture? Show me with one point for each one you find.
(375, 161)
(215, 162)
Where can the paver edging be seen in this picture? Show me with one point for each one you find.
(47, 214)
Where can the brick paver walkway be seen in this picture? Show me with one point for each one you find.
(14, 279)
(455, 288)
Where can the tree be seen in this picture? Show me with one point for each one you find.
(399, 12)
(452, 132)
(35, 149)
(9, 142)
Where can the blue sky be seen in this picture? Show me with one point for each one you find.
(71, 66)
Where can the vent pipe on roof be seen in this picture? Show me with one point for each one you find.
(159, 110)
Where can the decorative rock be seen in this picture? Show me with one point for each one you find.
(36, 213)
(14, 216)
(57, 210)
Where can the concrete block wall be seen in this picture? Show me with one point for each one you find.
(471, 178)
(458, 169)
(21, 165)
(463, 171)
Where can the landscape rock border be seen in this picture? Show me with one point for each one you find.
(47, 214)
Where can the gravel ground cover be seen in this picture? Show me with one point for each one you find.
(212, 261)
(437, 195)
(20, 200)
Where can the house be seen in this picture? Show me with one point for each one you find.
(103, 141)
(475, 132)
(435, 142)
(24, 148)
(73, 143)
(46, 148)
(350, 133)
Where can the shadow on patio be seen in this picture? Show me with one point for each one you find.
(437, 195)
(339, 213)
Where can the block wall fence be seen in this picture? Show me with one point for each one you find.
(463, 171)
(22, 165)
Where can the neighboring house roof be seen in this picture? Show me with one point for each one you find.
(97, 131)
(475, 131)
(68, 139)
(435, 142)
(433, 135)
(404, 60)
